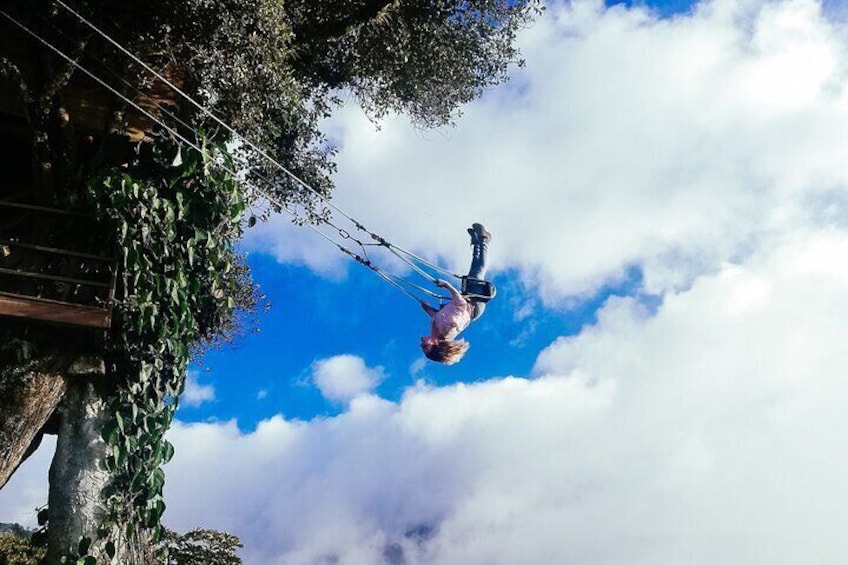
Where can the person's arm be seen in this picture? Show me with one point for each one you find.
(429, 309)
(455, 294)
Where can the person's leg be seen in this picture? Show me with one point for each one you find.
(480, 238)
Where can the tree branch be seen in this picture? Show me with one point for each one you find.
(334, 29)
(10, 71)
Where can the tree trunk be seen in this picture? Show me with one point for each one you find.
(26, 403)
(76, 479)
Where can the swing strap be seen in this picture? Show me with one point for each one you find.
(478, 290)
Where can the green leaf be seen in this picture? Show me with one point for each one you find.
(120, 457)
(157, 479)
(159, 509)
(167, 451)
(108, 430)
(39, 538)
(84, 545)
(137, 482)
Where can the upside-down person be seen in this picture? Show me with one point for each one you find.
(451, 319)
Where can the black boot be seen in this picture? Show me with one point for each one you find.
(478, 232)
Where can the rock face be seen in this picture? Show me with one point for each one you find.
(26, 403)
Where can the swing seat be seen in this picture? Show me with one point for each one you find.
(478, 290)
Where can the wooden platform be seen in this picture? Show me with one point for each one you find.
(50, 270)
(53, 311)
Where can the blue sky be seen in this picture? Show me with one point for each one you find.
(660, 379)
(312, 318)
(666, 9)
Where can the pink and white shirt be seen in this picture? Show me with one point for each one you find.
(451, 319)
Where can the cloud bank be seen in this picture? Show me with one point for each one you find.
(344, 377)
(707, 432)
(195, 393)
(673, 145)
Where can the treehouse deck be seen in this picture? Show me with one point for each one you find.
(46, 310)
(49, 271)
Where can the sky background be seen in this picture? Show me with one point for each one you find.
(661, 377)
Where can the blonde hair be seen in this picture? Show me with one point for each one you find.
(447, 352)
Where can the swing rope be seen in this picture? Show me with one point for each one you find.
(404, 255)
(365, 260)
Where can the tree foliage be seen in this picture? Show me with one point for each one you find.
(274, 69)
(16, 547)
(200, 547)
(175, 216)
(418, 57)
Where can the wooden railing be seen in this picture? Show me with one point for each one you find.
(50, 268)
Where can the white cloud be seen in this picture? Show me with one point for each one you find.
(298, 245)
(26, 491)
(707, 432)
(673, 145)
(195, 393)
(418, 366)
(344, 377)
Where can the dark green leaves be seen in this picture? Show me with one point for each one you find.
(176, 221)
(42, 516)
(417, 57)
(84, 545)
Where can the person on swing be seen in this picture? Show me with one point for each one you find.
(447, 322)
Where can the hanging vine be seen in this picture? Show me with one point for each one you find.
(174, 214)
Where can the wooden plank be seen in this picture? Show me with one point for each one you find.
(33, 207)
(67, 314)
(55, 278)
(57, 251)
(47, 300)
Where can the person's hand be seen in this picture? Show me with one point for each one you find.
(442, 283)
